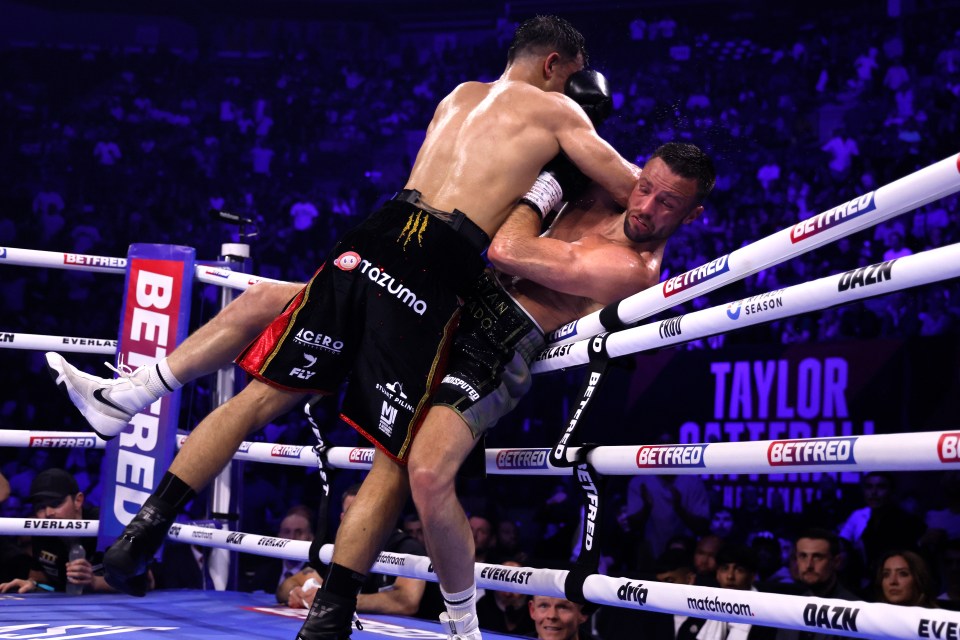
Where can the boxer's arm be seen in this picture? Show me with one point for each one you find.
(594, 269)
(593, 155)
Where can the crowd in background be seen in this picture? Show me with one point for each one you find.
(102, 147)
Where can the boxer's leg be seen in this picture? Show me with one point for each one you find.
(441, 446)
(109, 404)
(205, 453)
(364, 530)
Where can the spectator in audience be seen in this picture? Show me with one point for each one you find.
(934, 318)
(303, 212)
(896, 76)
(14, 561)
(842, 149)
(188, 566)
(508, 541)
(817, 554)
(825, 511)
(505, 611)
(818, 558)
(705, 553)
(54, 494)
(770, 565)
(484, 538)
(736, 569)
(882, 524)
(705, 558)
(676, 567)
(903, 578)
(107, 152)
(943, 525)
(269, 575)
(47, 202)
(558, 518)
(413, 527)
(381, 593)
(660, 507)
(557, 618)
(950, 576)
(895, 246)
(723, 525)
(620, 623)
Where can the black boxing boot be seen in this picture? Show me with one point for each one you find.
(330, 617)
(125, 562)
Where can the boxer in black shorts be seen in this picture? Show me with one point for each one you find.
(382, 309)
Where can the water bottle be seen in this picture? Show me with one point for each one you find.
(77, 552)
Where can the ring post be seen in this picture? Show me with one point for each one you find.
(225, 494)
(155, 317)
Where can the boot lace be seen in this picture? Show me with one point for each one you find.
(123, 370)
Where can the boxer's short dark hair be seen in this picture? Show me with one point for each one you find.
(689, 161)
(547, 32)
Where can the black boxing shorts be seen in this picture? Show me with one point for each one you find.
(381, 311)
(489, 369)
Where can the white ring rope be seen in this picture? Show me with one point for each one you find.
(81, 262)
(51, 439)
(837, 617)
(865, 210)
(104, 264)
(62, 344)
(228, 278)
(48, 527)
(62, 260)
(921, 268)
(917, 451)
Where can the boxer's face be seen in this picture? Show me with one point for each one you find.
(660, 202)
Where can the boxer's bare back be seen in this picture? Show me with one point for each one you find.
(487, 143)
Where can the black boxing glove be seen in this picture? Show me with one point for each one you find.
(590, 90)
(560, 181)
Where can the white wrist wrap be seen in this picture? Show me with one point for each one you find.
(545, 194)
